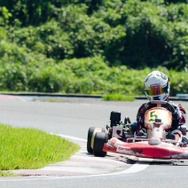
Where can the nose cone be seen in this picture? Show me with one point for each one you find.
(154, 141)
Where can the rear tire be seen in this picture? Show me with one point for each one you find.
(99, 140)
(89, 136)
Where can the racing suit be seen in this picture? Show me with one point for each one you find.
(178, 117)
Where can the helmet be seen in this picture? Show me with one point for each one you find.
(157, 86)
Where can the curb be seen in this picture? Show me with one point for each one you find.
(41, 94)
(80, 164)
(38, 94)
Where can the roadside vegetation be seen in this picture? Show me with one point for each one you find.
(117, 97)
(24, 148)
(92, 47)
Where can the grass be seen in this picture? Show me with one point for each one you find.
(118, 97)
(7, 174)
(24, 148)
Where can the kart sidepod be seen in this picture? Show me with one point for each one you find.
(143, 149)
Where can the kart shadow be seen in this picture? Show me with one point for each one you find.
(128, 160)
(159, 162)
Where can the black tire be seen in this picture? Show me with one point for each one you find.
(89, 136)
(99, 140)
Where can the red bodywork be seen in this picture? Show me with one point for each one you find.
(143, 149)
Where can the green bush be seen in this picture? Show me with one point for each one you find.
(105, 46)
(117, 97)
(134, 33)
(87, 76)
(13, 77)
(5, 15)
(50, 78)
(179, 82)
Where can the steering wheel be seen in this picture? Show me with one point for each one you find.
(172, 109)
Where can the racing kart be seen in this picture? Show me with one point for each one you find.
(118, 136)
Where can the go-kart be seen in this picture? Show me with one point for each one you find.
(118, 137)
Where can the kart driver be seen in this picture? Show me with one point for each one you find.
(157, 88)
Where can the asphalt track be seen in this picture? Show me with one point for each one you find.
(73, 118)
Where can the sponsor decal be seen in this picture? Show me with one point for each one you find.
(122, 149)
(128, 150)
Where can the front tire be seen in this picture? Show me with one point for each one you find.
(89, 136)
(99, 140)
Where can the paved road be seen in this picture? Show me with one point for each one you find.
(70, 118)
(74, 118)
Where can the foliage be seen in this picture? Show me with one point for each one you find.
(7, 174)
(118, 97)
(134, 33)
(91, 46)
(4, 16)
(86, 75)
(179, 82)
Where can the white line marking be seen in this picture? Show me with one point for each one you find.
(71, 137)
(133, 169)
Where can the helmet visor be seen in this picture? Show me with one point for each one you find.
(155, 90)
